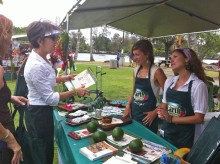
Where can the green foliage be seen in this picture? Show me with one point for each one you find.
(64, 41)
(101, 43)
(83, 46)
(19, 30)
(129, 42)
(166, 41)
(208, 44)
(116, 42)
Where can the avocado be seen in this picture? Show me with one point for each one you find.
(117, 133)
(135, 145)
(99, 136)
(92, 126)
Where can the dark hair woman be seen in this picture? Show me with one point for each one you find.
(148, 79)
(41, 79)
(185, 98)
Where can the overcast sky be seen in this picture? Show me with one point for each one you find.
(23, 12)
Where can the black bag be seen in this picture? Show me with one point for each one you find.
(206, 150)
(21, 88)
(33, 148)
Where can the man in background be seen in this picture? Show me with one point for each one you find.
(118, 58)
(130, 59)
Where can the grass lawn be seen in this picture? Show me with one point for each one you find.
(116, 83)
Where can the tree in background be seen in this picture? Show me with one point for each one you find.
(159, 49)
(129, 41)
(208, 44)
(19, 30)
(83, 46)
(101, 42)
(116, 43)
(167, 41)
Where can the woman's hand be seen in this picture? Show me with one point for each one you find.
(67, 77)
(127, 111)
(164, 115)
(149, 118)
(82, 91)
(19, 100)
(15, 147)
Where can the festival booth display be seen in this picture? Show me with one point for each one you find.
(125, 14)
(19, 52)
(77, 143)
(73, 119)
(80, 142)
(75, 130)
(10, 69)
(12, 65)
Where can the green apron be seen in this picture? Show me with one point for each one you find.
(179, 105)
(144, 100)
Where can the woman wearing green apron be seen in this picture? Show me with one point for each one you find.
(185, 98)
(148, 79)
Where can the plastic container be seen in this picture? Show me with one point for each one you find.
(113, 64)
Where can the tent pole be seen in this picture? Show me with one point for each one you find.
(67, 22)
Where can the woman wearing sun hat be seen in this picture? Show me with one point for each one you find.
(41, 79)
(185, 98)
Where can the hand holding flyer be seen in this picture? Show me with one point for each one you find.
(86, 78)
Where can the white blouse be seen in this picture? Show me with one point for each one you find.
(199, 92)
(41, 79)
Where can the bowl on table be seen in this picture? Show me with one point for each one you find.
(106, 119)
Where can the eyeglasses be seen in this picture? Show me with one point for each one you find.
(53, 37)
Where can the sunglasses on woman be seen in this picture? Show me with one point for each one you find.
(53, 37)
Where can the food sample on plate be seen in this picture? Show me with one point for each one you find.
(106, 120)
(78, 113)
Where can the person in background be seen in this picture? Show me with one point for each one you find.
(185, 98)
(41, 79)
(7, 140)
(147, 81)
(130, 59)
(118, 58)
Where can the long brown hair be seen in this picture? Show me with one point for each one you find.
(6, 26)
(194, 65)
(146, 47)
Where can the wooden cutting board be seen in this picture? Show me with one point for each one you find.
(107, 127)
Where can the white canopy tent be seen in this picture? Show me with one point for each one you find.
(20, 38)
(149, 18)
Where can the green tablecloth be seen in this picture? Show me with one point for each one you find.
(69, 148)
